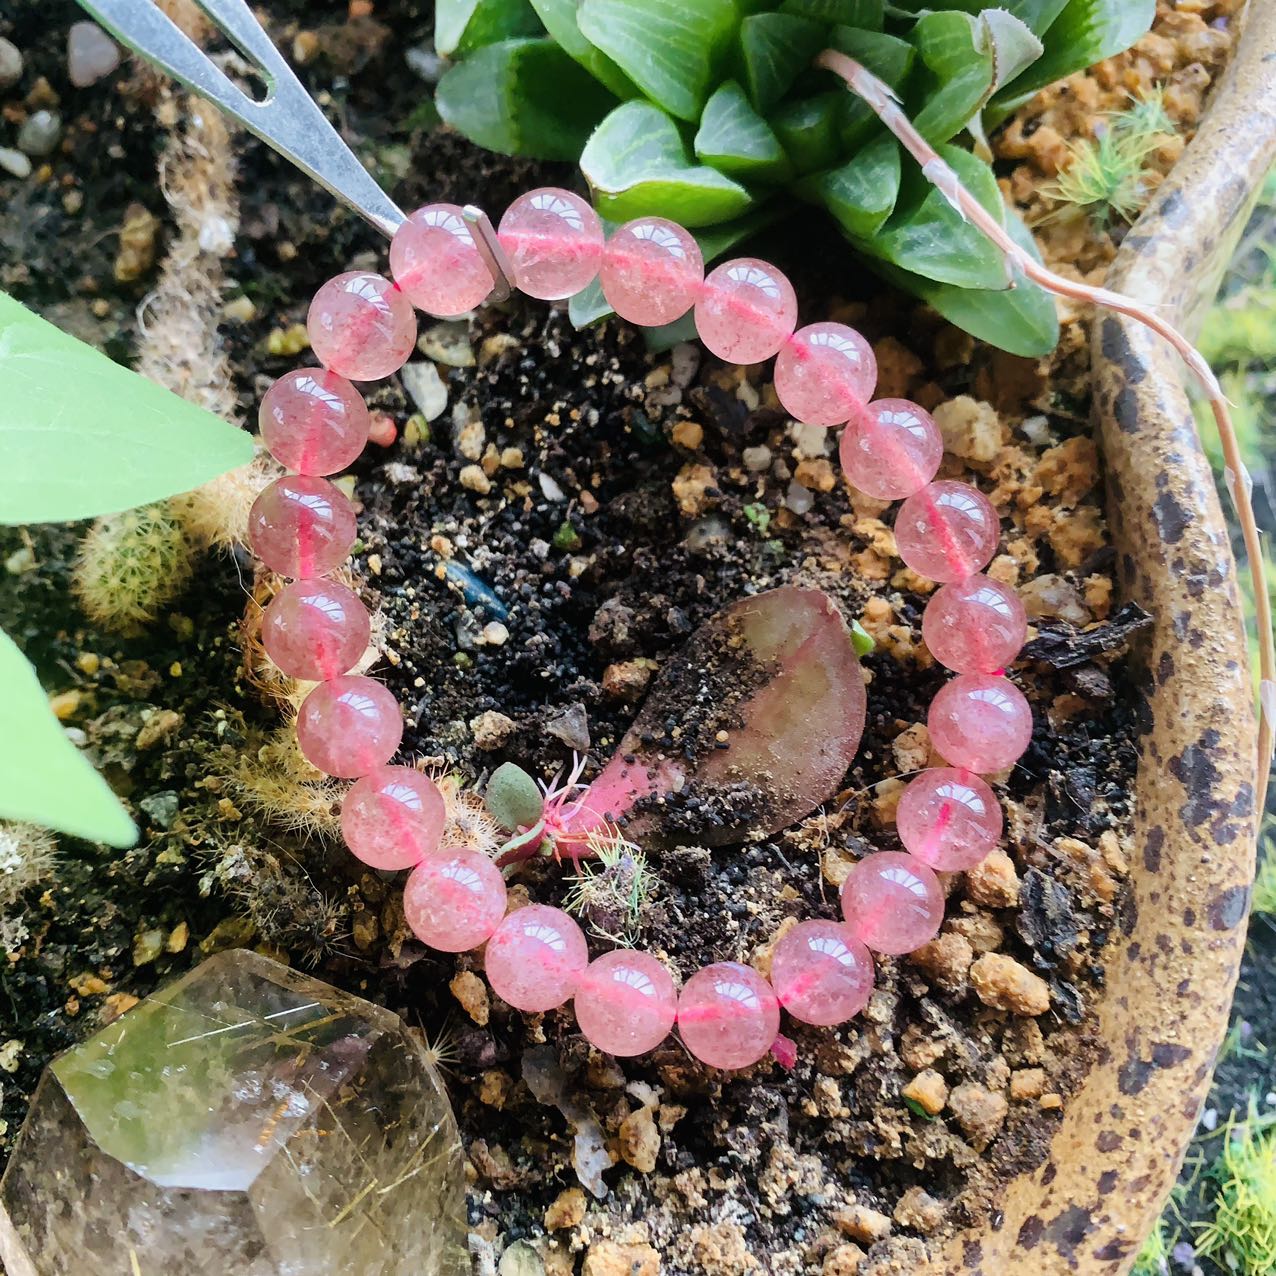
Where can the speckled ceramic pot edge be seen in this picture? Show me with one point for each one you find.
(1172, 968)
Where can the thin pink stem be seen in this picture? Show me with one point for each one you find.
(879, 97)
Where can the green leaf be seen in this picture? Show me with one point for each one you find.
(588, 306)
(861, 194)
(866, 14)
(671, 49)
(513, 798)
(636, 164)
(888, 58)
(44, 778)
(1036, 15)
(82, 436)
(523, 97)
(559, 17)
(861, 640)
(809, 129)
(736, 140)
(461, 26)
(775, 48)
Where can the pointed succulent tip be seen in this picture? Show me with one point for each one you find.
(861, 639)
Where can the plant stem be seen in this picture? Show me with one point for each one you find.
(880, 99)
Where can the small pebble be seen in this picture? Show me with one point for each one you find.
(90, 54)
(448, 343)
(756, 459)
(495, 634)
(798, 499)
(424, 62)
(10, 64)
(425, 388)
(40, 133)
(14, 162)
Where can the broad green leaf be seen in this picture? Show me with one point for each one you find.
(1036, 15)
(889, 58)
(523, 97)
(637, 163)
(737, 141)
(775, 48)
(671, 49)
(44, 778)
(512, 797)
(82, 436)
(931, 238)
(559, 17)
(861, 194)
(866, 14)
(461, 26)
(809, 130)
(588, 306)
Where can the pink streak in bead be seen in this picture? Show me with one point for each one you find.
(949, 819)
(728, 1015)
(301, 526)
(824, 373)
(315, 629)
(890, 449)
(980, 722)
(349, 726)
(947, 531)
(313, 421)
(651, 271)
(746, 311)
(892, 902)
(393, 817)
(974, 626)
(434, 260)
(821, 974)
(554, 241)
(361, 326)
(454, 899)
(536, 957)
(625, 1002)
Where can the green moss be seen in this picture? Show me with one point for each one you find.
(1154, 1257)
(1242, 1235)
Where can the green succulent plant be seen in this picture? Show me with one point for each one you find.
(709, 112)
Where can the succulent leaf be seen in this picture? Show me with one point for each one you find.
(461, 26)
(736, 140)
(775, 48)
(512, 797)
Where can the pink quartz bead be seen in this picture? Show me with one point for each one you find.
(728, 1015)
(892, 902)
(315, 629)
(947, 531)
(349, 726)
(393, 817)
(433, 258)
(824, 372)
(746, 311)
(554, 241)
(535, 958)
(890, 449)
(313, 421)
(949, 819)
(980, 722)
(361, 326)
(974, 626)
(625, 1002)
(301, 526)
(454, 899)
(651, 271)
(821, 974)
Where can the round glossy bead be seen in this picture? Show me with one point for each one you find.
(651, 271)
(728, 1015)
(361, 326)
(301, 526)
(950, 819)
(824, 372)
(947, 531)
(313, 421)
(454, 899)
(554, 241)
(393, 817)
(349, 726)
(315, 629)
(625, 1002)
(746, 311)
(892, 902)
(974, 626)
(535, 958)
(980, 722)
(821, 974)
(434, 259)
(890, 449)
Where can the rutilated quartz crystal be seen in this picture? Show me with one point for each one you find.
(244, 1121)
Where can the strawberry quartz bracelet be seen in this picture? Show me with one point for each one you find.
(362, 327)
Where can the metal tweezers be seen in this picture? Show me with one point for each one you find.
(287, 118)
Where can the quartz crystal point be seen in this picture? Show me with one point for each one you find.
(244, 1121)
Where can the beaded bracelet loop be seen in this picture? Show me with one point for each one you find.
(362, 327)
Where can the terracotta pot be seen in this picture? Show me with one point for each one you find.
(1172, 967)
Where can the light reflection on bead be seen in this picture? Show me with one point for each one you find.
(746, 311)
(313, 421)
(974, 626)
(554, 241)
(824, 372)
(728, 1015)
(315, 629)
(392, 817)
(349, 726)
(434, 259)
(980, 722)
(301, 526)
(651, 271)
(625, 1002)
(890, 449)
(947, 531)
(454, 899)
(949, 819)
(821, 973)
(892, 902)
(361, 326)
(535, 958)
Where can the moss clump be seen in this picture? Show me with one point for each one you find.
(612, 894)
(1154, 1258)
(1242, 1235)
